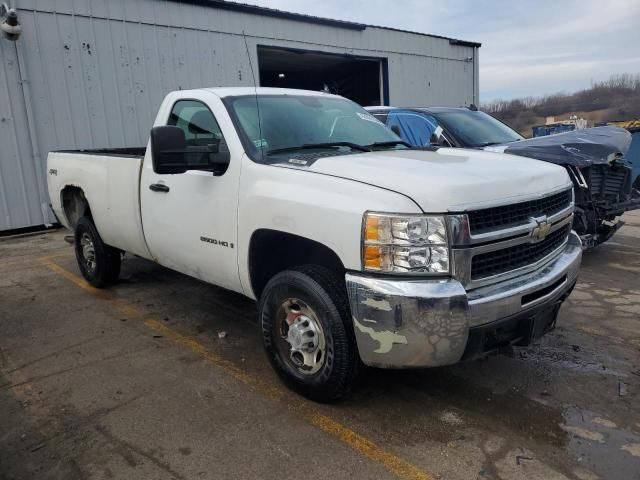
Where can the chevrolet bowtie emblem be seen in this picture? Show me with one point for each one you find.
(541, 230)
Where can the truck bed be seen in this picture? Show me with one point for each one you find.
(110, 181)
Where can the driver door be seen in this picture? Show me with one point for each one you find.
(189, 219)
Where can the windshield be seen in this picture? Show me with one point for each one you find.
(477, 129)
(292, 121)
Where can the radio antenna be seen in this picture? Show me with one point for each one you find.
(255, 89)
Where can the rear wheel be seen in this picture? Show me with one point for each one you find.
(307, 333)
(99, 263)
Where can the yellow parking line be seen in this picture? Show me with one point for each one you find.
(26, 262)
(393, 463)
(71, 276)
(231, 368)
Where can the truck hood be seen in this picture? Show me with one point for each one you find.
(580, 148)
(448, 179)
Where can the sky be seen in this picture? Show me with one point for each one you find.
(528, 48)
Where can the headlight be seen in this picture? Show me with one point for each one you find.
(405, 243)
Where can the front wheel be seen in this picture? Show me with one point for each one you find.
(99, 263)
(307, 334)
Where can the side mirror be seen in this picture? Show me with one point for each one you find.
(171, 154)
(168, 145)
(396, 129)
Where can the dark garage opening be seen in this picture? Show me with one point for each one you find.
(352, 77)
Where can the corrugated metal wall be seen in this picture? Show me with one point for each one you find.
(93, 73)
(22, 191)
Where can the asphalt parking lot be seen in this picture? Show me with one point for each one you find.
(164, 377)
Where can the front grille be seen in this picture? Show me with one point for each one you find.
(607, 182)
(497, 217)
(500, 261)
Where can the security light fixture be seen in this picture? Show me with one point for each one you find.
(9, 24)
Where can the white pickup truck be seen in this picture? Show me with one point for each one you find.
(357, 247)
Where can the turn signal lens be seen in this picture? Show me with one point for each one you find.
(372, 258)
(371, 230)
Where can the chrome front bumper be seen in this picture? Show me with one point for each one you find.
(402, 323)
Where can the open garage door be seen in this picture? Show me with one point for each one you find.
(357, 78)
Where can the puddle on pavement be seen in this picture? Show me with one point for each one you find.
(561, 358)
(598, 444)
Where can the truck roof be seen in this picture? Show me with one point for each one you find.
(238, 91)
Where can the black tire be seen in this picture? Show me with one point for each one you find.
(101, 269)
(325, 293)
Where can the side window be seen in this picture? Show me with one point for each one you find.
(199, 126)
(198, 123)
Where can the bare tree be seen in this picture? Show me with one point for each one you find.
(618, 98)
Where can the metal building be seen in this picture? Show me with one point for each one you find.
(91, 73)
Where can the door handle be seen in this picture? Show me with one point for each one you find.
(158, 187)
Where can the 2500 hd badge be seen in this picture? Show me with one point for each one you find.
(216, 242)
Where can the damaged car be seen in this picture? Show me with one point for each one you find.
(594, 158)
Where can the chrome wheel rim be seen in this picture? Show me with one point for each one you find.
(302, 342)
(88, 252)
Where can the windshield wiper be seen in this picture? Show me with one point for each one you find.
(487, 144)
(311, 146)
(392, 143)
